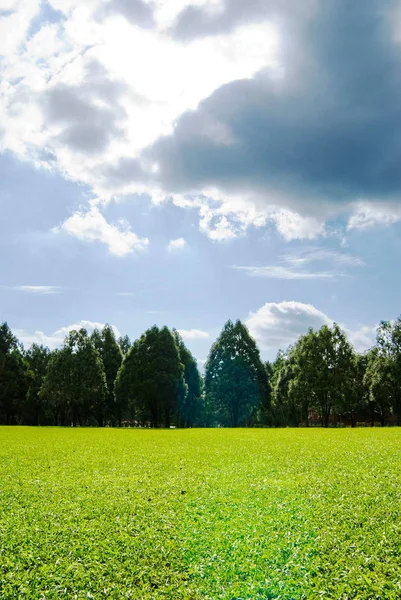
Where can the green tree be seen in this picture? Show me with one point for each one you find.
(14, 377)
(111, 354)
(37, 358)
(324, 369)
(148, 378)
(290, 402)
(389, 347)
(189, 388)
(378, 380)
(236, 379)
(125, 344)
(75, 383)
(56, 392)
(357, 397)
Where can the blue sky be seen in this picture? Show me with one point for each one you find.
(184, 163)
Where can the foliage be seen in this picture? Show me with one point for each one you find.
(125, 344)
(75, 384)
(37, 359)
(389, 347)
(14, 377)
(324, 364)
(189, 387)
(378, 380)
(156, 381)
(236, 379)
(149, 376)
(111, 354)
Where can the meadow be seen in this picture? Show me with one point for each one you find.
(211, 514)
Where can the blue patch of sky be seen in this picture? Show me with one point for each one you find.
(47, 14)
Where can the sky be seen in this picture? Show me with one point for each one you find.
(185, 162)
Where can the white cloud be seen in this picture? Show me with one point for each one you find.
(282, 272)
(118, 107)
(193, 334)
(90, 326)
(56, 339)
(178, 244)
(309, 255)
(225, 215)
(150, 93)
(91, 226)
(38, 337)
(38, 289)
(293, 226)
(293, 265)
(126, 107)
(367, 215)
(14, 26)
(277, 325)
(362, 338)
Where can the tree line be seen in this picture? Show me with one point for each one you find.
(99, 380)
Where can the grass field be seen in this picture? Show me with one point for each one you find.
(233, 514)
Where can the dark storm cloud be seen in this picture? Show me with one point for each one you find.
(136, 12)
(87, 125)
(330, 129)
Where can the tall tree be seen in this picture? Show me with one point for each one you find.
(125, 344)
(148, 378)
(14, 377)
(287, 391)
(379, 381)
(189, 388)
(111, 354)
(356, 398)
(75, 383)
(37, 358)
(236, 380)
(389, 347)
(56, 393)
(325, 362)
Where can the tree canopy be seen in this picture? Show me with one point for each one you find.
(155, 381)
(149, 376)
(236, 379)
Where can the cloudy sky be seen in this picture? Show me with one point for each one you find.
(183, 162)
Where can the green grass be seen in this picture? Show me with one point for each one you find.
(209, 514)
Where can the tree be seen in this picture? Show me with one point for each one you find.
(378, 380)
(37, 358)
(125, 344)
(324, 366)
(56, 392)
(111, 354)
(189, 387)
(148, 378)
(14, 377)
(357, 398)
(75, 383)
(389, 347)
(236, 380)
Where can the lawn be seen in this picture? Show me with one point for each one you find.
(233, 514)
